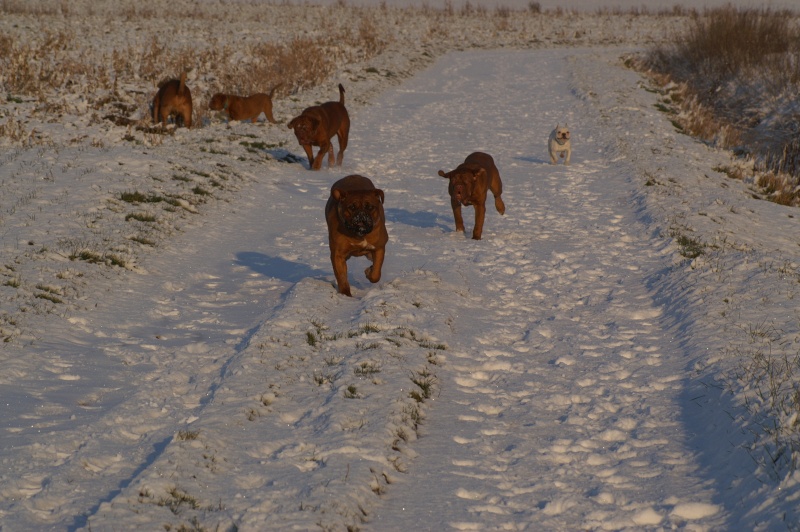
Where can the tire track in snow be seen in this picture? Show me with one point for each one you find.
(264, 427)
(208, 298)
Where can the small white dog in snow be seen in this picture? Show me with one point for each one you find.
(559, 144)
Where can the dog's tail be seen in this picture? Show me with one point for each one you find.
(182, 86)
(272, 92)
(341, 94)
(268, 106)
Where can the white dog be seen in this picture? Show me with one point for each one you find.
(559, 144)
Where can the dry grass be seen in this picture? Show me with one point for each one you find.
(45, 65)
(113, 54)
(770, 374)
(738, 79)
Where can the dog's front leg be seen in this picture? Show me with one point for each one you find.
(480, 215)
(373, 272)
(331, 159)
(342, 138)
(339, 263)
(457, 215)
(323, 149)
(566, 160)
(310, 154)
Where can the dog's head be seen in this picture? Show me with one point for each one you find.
(218, 102)
(462, 182)
(305, 127)
(359, 211)
(561, 133)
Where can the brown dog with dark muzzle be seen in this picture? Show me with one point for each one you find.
(356, 227)
(317, 125)
(244, 107)
(173, 98)
(469, 184)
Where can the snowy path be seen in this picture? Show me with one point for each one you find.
(565, 410)
(250, 393)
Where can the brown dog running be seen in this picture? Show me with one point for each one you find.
(244, 107)
(317, 125)
(173, 98)
(469, 184)
(356, 227)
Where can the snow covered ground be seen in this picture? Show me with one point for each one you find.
(571, 370)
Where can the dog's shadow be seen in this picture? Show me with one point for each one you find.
(422, 219)
(285, 156)
(535, 160)
(276, 267)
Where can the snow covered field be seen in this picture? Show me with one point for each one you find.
(182, 361)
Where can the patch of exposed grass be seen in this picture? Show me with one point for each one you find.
(311, 339)
(139, 197)
(88, 256)
(351, 392)
(176, 500)
(140, 217)
(425, 381)
(187, 435)
(49, 297)
(254, 146)
(143, 240)
(778, 188)
(116, 260)
(689, 247)
(732, 172)
(367, 369)
(363, 329)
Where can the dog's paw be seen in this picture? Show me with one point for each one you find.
(499, 205)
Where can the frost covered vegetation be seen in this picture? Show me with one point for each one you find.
(114, 54)
(731, 77)
(734, 75)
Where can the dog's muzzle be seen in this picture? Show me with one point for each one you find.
(360, 224)
(460, 194)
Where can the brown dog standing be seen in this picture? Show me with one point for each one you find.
(244, 107)
(469, 184)
(356, 227)
(317, 125)
(173, 98)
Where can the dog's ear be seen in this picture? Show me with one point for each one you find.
(379, 193)
(441, 173)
